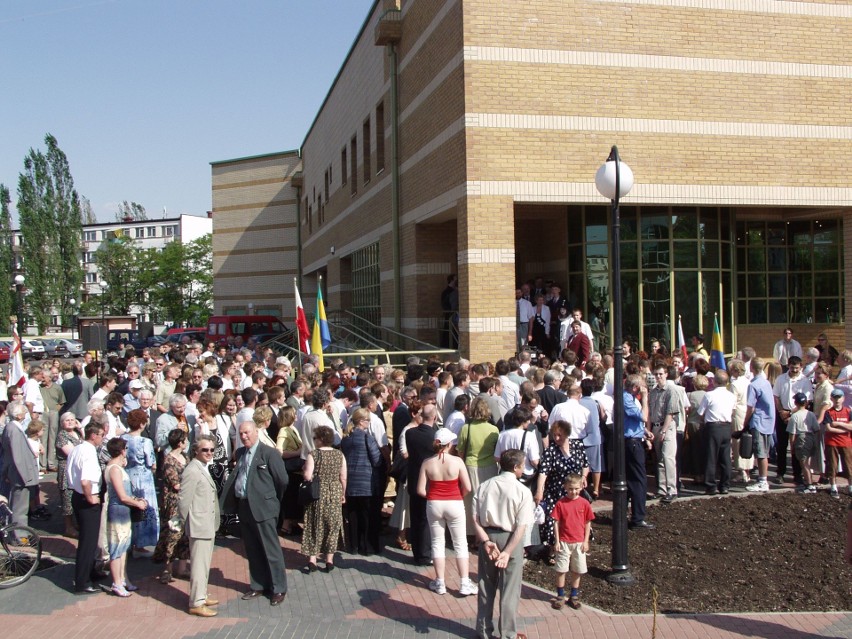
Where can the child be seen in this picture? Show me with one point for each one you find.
(572, 523)
(803, 429)
(34, 431)
(838, 439)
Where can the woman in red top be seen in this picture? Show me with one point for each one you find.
(447, 480)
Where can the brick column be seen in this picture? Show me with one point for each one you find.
(486, 244)
(847, 279)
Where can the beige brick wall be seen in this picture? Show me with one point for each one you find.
(254, 233)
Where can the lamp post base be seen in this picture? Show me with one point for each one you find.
(621, 578)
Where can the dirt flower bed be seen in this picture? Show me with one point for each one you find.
(757, 553)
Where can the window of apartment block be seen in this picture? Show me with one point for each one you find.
(91, 278)
(380, 137)
(91, 236)
(152, 231)
(367, 137)
(343, 167)
(320, 212)
(326, 183)
(168, 231)
(353, 158)
(140, 233)
(310, 219)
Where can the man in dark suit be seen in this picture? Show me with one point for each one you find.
(254, 491)
(146, 403)
(78, 392)
(420, 443)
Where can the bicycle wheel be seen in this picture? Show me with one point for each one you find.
(20, 556)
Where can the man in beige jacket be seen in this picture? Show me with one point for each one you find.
(199, 508)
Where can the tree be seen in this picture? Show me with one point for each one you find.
(68, 219)
(182, 282)
(122, 265)
(39, 237)
(131, 211)
(87, 212)
(6, 294)
(51, 232)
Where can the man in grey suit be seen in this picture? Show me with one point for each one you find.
(254, 491)
(78, 392)
(199, 507)
(20, 472)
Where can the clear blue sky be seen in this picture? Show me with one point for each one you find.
(143, 94)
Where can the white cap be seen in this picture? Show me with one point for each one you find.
(136, 384)
(445, 436)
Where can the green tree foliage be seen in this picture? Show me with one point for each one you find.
(131, 211)
(6, 295)
(124, 267)
(51, 232)
(68, 219)
(87, 213)
(39, 254)
(182, 286)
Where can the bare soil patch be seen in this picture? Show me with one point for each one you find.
(756, 553)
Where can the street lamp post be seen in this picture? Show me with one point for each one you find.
(103, 286)
(614, 180)
(73, 304)
(19, 302)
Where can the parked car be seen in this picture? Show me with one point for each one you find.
(222, 328)
(59, 347)
(128, 336)
(182, 335)
(33, 349)
(5, 350)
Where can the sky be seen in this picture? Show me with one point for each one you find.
(143, 94)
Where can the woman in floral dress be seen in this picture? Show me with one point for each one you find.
(324, 517)
(141, 463)
(563, 457)
(70, 435)
(173, 545)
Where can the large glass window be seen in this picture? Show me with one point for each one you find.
(366, 286)
(675, 261)
(792, 271)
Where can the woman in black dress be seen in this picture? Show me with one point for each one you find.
(563, 457)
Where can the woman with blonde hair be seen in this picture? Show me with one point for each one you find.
(476, 445)
(364, 485)
(289, 444)
(738, 385)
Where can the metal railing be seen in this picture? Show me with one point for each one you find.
(357, 341)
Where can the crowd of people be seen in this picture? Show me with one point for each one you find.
(158, 452)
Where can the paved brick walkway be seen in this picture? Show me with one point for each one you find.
(366, 597)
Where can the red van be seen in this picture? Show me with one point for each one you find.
(223, 328)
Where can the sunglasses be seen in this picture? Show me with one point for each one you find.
(206, 450)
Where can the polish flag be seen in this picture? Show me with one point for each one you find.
(680, 341)
(17, 377)
(302, 323)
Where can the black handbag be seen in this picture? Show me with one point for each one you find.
(137, 514)
(309, 492)
(746, 445)
(399, 468)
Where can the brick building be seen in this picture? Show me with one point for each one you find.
(463, 136)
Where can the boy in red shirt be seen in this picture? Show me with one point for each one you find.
(838, 440)
(572, 522)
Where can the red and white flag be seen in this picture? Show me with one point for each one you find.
(17, 376)
(680, 341)
(302, 323)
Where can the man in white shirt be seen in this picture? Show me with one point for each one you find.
(458, 417)
(32, 393)
(83, 475)
(524, 314)
(573, 412)
(511, 394)
(315, 416)
(785, 348)
(716, 410)
(585, 328)
(786, 386)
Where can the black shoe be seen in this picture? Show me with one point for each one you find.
(711, 491)
(667, 499)
(308, 568)
(277, 598)
(641, 524)
(723, 491)
(328, 568)
(653, 497)
(251, 594)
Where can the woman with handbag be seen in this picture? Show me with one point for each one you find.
(289, 444)
(401, 515)
(363, 510)
(324, 518)
(173, 545)
(738, 385)
(121, 501)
